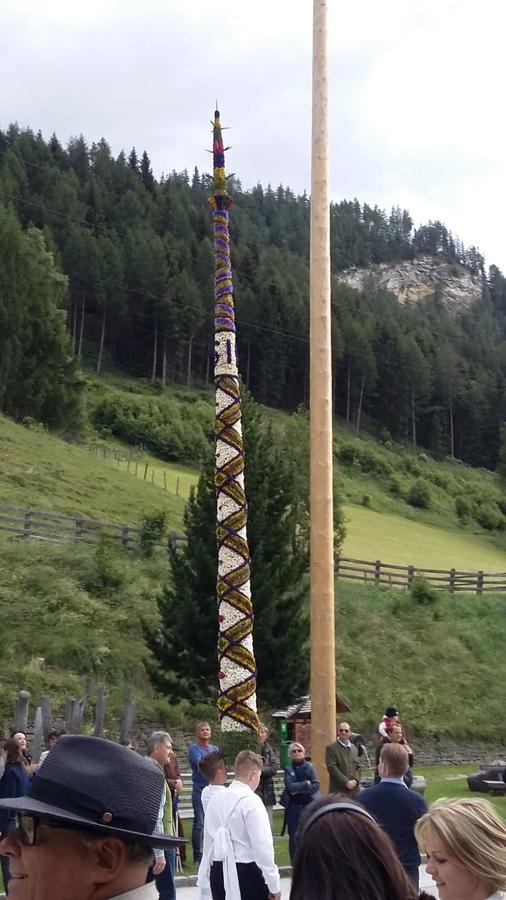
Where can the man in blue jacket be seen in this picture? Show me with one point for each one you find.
(196, 752)
(396, 807)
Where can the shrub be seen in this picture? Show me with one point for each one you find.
(366, 500)
(490, 517)
(347, 454)
(463, 508)
(152, 530)
(419, 495)
(423, 593)
(394, 487)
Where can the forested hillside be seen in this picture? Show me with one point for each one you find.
(126, 261)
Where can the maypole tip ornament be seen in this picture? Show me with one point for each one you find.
(237, 668)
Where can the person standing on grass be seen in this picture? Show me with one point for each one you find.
(164, 869)
(196, 752)
(341, 759)
(265, 789)
(213, 768)
(395, 807)
(301, 786)
(238, 859)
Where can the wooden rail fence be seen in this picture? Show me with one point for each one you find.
(377, 572)
(32, 523)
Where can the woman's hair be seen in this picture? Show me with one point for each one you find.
(13, 752)
(473, 832)
(343, 854)
(296, 745)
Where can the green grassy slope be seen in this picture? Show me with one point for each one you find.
(39, 469)
(395, 539)
(83, 609)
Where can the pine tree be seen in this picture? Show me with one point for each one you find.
(279, 584)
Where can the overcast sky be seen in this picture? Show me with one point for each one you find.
(416, 105)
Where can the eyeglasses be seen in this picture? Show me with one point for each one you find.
(297, 750)
(27, 827)
(344, 730)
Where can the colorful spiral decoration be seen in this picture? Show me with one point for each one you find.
(237, 667)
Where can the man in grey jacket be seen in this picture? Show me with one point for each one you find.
(341, 759)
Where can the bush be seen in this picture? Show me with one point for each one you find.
(419, 495)
(490, 517)
(366, 500)
(394, 487)
(463, 508)
(152, 530)
(423, 593)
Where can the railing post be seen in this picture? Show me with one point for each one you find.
(377, 571)
(145, 471)
(479, 582)
(27, 526)
(78, 529)
(124, 535)
(452, 580)
(337, 560)
(411, 575)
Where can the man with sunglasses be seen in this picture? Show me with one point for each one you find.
(86, 830)
(341, 759)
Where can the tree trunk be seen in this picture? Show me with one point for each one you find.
(101, 348)
(81, 330)
(248, 364)
(452, 433)
(74, 328)
(164, 364)
(413, 419)
(348, 393)
(155, 353)
(189, 361)
(208, 366)
(360, 399)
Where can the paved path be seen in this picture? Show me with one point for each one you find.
(426, 884)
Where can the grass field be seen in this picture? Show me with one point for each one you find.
(41, 470)
(394, 539)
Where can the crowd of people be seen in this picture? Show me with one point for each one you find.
(95, 821)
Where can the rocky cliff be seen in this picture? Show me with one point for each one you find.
(411, 280)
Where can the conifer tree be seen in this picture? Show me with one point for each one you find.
(183, 666)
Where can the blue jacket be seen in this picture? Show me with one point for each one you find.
(195, 754)
(396, 808)
(301, 783)
(15, 782)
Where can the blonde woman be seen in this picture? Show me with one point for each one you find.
(465, 842)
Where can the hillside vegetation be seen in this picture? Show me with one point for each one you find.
(99, 258)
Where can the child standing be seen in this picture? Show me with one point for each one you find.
(212, 768)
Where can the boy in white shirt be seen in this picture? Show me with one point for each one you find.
(212, 768)
(238, 857)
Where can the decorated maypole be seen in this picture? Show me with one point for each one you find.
(237, 668)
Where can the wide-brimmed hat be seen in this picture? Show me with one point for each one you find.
(101, 786)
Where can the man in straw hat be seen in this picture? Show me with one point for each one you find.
(86, 830)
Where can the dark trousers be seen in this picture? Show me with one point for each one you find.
(165, 882)
(251, 882)
(413, 873)
(198, 824)
(293, 814)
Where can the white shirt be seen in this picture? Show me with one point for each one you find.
(237, 830)
(208, 793)
(144, 892)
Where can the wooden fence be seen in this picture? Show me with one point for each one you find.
(377, 572)
(32, 523)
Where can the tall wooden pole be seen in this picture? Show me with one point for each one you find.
(323, 677)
